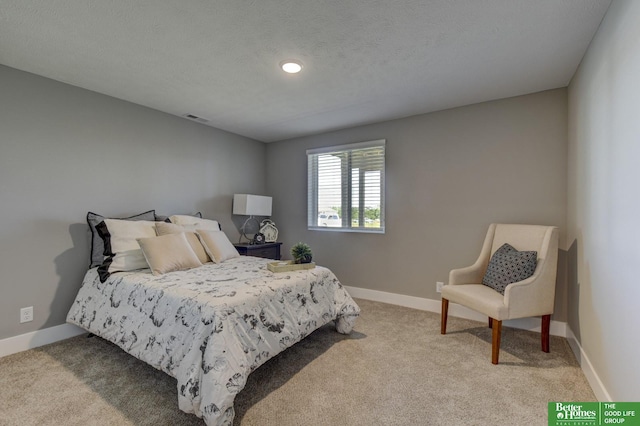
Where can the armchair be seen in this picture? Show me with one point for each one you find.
(533, 296)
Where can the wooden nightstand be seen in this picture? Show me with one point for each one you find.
(266, 250)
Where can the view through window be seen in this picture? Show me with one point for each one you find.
(346, 187)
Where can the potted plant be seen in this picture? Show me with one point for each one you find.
(301, 253)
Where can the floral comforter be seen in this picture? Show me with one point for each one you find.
(209, 327)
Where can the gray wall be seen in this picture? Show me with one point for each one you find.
(604, 205)
(65, 151)
(449, 174)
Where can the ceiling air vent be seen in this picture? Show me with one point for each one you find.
(195, 118)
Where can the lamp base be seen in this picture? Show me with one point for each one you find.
(243, 230)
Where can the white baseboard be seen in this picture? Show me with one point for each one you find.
(557, 328)
(590, 373)
(37, 338)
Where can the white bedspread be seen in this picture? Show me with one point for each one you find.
(209, 327)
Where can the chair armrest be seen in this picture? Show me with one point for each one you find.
(470, 275)
(473, 274)
(534, 296)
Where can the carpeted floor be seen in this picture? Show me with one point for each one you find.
(394, 369)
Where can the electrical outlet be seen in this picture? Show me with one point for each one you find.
(439, 285)
(26, 314)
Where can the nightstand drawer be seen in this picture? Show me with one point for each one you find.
(269, 253)
(267, 250)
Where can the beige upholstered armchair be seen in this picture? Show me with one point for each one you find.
(533, 296)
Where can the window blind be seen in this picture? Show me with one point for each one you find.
(346, 187)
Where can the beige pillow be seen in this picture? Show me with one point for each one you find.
(163, 228)
(217, 245)
(168, 253)
(181, 219)
(120, 239)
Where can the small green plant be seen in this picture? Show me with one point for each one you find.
(301, 253)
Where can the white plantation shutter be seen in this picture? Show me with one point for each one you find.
(346, 187)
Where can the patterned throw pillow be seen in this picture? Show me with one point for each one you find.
(508, 265)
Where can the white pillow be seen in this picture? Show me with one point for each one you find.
(217, 245)
(164, 228)
(181, 219)
(167, 253)
(122, 250)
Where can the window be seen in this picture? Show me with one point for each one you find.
(346, 187)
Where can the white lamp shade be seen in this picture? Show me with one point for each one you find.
(251, 205)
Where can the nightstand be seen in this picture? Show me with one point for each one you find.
(266, 250)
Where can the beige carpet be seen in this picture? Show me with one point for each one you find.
(394, 369)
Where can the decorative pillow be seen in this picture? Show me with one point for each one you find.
(508, 265)
(217, 245)
(167, 253)
(181, 219)
(97, 246)
(121, 247)
(161, 218)
(163, 228)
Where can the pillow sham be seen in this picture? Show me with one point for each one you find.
(121, 247)
(507, 266)
(163, 228)
(97, 246)
(168, 253)
(161, 218)
(181, 219)
(217, 245)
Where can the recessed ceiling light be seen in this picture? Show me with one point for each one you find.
(291, 66)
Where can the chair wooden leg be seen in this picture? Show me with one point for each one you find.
(495, 345)
(443, 317)
(490, 322)
(544, 335)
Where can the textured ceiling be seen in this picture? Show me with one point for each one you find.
(364, 60)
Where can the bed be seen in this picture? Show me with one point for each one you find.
(210, 326)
